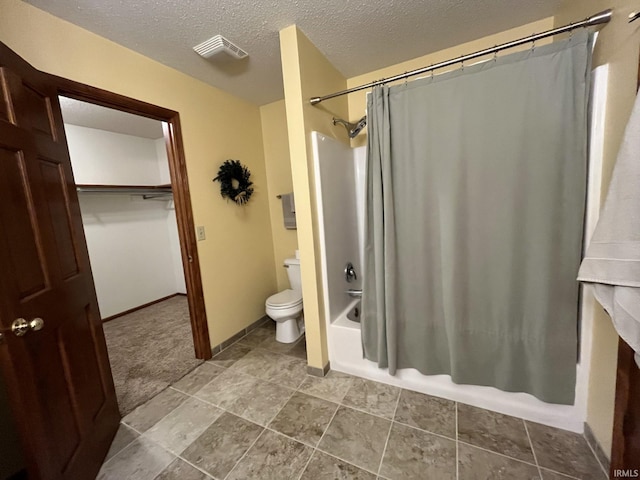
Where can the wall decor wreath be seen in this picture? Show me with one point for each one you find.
(234, 182)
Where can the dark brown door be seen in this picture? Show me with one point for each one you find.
(58, 377)
(625, 453)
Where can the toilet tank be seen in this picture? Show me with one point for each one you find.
(293, 272)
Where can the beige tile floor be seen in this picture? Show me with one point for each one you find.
(253, 412)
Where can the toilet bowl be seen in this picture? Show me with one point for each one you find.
(285, 307)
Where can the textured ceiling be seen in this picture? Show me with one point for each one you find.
(89, 115)
(357, 36)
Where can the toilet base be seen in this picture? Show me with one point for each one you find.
(288, 331)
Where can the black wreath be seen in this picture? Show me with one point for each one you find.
(234, 181)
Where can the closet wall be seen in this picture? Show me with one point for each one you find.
(133, 243)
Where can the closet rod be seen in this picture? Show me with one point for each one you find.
(126, 189)
(597, 19)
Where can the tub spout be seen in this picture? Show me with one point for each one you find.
(352, 292)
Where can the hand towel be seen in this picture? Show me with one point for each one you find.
(612, 259)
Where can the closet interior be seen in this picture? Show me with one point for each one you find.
(121, 172)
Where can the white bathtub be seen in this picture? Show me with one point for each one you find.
(345, 354)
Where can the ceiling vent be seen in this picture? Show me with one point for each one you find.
(217, 45)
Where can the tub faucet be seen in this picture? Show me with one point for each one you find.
(350, 273)
(352, 292)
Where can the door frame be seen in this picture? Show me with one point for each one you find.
(179, 185)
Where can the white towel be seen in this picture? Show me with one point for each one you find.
(612, 260)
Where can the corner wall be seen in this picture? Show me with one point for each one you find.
(278, 164)
(617, 47)
(308, 73)
(236, 259)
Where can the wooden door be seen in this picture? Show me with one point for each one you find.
(58, 377)
(625, 452)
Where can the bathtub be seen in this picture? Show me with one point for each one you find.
(345, 355)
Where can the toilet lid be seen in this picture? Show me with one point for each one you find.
(285, 299)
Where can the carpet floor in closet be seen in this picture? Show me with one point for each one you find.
(149, 350)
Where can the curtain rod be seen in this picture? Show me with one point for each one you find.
(597, 19)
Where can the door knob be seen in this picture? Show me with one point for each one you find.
(21, 327)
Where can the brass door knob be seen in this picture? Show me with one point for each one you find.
(21, 327)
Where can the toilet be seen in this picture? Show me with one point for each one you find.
(285, 307)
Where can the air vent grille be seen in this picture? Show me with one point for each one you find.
(219, 44)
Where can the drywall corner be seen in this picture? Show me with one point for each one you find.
(278, 168)
(307, 73)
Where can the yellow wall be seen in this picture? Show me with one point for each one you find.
(279, 181)
(617, 46)
(237, 256)
(307, 73)
(358, 102)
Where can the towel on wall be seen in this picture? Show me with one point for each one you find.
(612, 260)
(288, 211)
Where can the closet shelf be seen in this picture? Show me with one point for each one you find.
(146, 191)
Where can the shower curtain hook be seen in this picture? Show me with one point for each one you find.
(570, 31)
(406, 79)
(431, 71)
(495, 54)
(462, 65)
(533, 45)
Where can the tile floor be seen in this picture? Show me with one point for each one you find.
(253, 412)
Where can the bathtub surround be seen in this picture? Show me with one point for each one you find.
(474, 221)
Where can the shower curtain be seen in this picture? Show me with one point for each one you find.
(476, 184)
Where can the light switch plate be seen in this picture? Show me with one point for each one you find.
(200, 233)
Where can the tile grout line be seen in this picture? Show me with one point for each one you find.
(194, 465)
(340, 404)
(159, 445)
(315, 449)
(239, 415)
(500, 454)
(244, 454)
(122, 449)
(126, 446)
(413, 427)
(596, 456)
(563, 475)
(457, 445)
(264, 427)
(535, 457)
(333, 455)
(386, 443)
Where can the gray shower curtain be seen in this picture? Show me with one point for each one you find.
(475, 203)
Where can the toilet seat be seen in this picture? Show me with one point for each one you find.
(285, 299)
